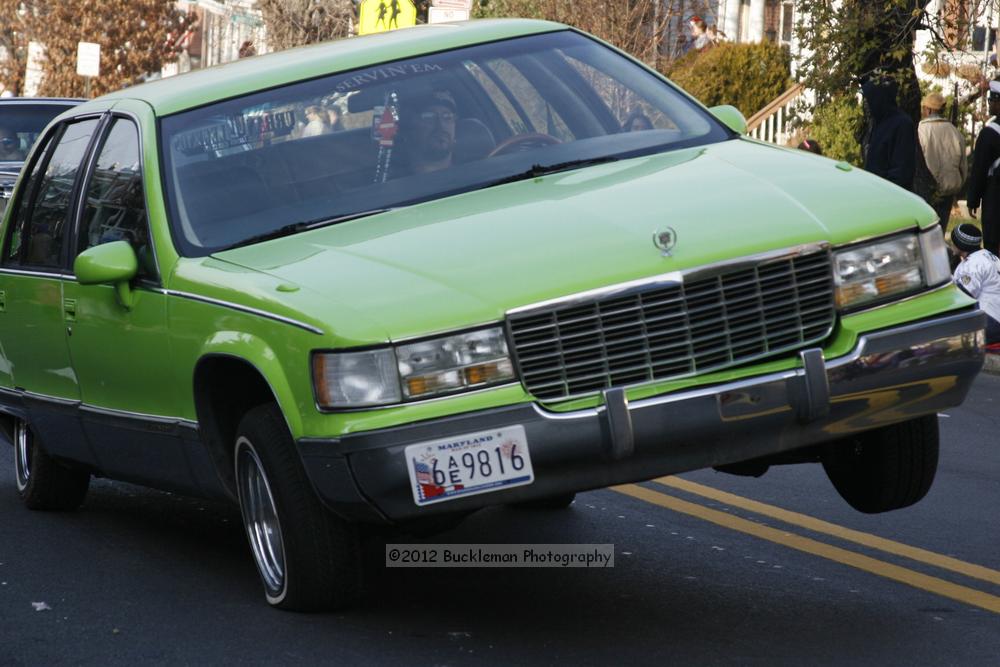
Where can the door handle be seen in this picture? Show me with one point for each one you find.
(69, 309)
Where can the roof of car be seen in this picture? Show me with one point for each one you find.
(68, 101)
(174, 94)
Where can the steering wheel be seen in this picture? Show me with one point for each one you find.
(523, 142)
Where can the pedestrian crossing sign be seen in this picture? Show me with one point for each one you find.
(383, 15)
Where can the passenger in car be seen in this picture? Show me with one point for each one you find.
(318, 121)
(333, 113)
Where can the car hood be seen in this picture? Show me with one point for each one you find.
(467, 259)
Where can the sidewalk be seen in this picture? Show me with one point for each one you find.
(992, 364)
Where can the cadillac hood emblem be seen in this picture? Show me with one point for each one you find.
(665, 238)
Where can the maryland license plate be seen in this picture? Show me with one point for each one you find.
(468, 464)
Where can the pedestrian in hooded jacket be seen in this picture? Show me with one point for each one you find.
(984, 179)
(891, 147)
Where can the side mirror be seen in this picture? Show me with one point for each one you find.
(732, 117)
(112, 263)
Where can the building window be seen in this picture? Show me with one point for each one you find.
(772, 20)
(787, 22)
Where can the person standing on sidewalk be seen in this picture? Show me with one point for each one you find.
(944, 152)
(984, 179)
(890, 149)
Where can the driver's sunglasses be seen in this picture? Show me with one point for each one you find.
(429, 117)
(9, 142)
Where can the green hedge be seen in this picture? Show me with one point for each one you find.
(836, 125)
(748, 76)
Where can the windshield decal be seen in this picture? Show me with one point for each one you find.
(384, 73)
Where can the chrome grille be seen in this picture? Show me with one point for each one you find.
(578, 347)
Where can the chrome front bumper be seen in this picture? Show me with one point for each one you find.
(892, 376)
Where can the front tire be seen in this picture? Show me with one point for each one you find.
(885, 469)
(43, 482)
(308, 559)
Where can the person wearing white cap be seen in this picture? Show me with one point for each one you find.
(944, 152)
(984, 179)
(978, 275)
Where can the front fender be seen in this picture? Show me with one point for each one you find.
(260, 354)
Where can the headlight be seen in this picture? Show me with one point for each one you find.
(464, 360)
(891, 267)
(937, 268)
(412, 370)
(355, 379)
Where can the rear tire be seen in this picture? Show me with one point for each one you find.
(560, 502)
(885, 469)
(308, 559)
(43, 482)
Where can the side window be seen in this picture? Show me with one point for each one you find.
(41, 218)
(15, 231)
(115, 207)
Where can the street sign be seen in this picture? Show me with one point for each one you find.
(465, 5)
(383, 15)
(34, 69)
(445, 15)
(88, 59)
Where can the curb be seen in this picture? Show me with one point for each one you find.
(992, 364)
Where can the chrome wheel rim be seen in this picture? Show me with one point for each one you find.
(260, 517)
(22, 454)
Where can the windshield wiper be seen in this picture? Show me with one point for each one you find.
(306, 225)
(537, 170)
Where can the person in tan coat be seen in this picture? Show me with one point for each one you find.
(944, 152)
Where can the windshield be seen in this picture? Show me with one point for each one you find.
(22, 124)
(330, 149)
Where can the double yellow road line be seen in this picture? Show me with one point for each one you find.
(808, 545)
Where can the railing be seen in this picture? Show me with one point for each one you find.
(769, 124)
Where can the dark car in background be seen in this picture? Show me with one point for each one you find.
(22, 120)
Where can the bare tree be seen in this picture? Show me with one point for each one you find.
(634, 26)
(14, 41)
(296, 22)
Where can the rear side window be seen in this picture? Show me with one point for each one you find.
(43, 213)
(15, 233)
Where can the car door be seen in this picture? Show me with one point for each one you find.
(121, 353)
(32, 278)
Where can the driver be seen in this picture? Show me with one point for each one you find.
(429, 131)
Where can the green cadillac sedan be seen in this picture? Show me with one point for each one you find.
(388, 281)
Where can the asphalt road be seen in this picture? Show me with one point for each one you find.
(699, 578)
